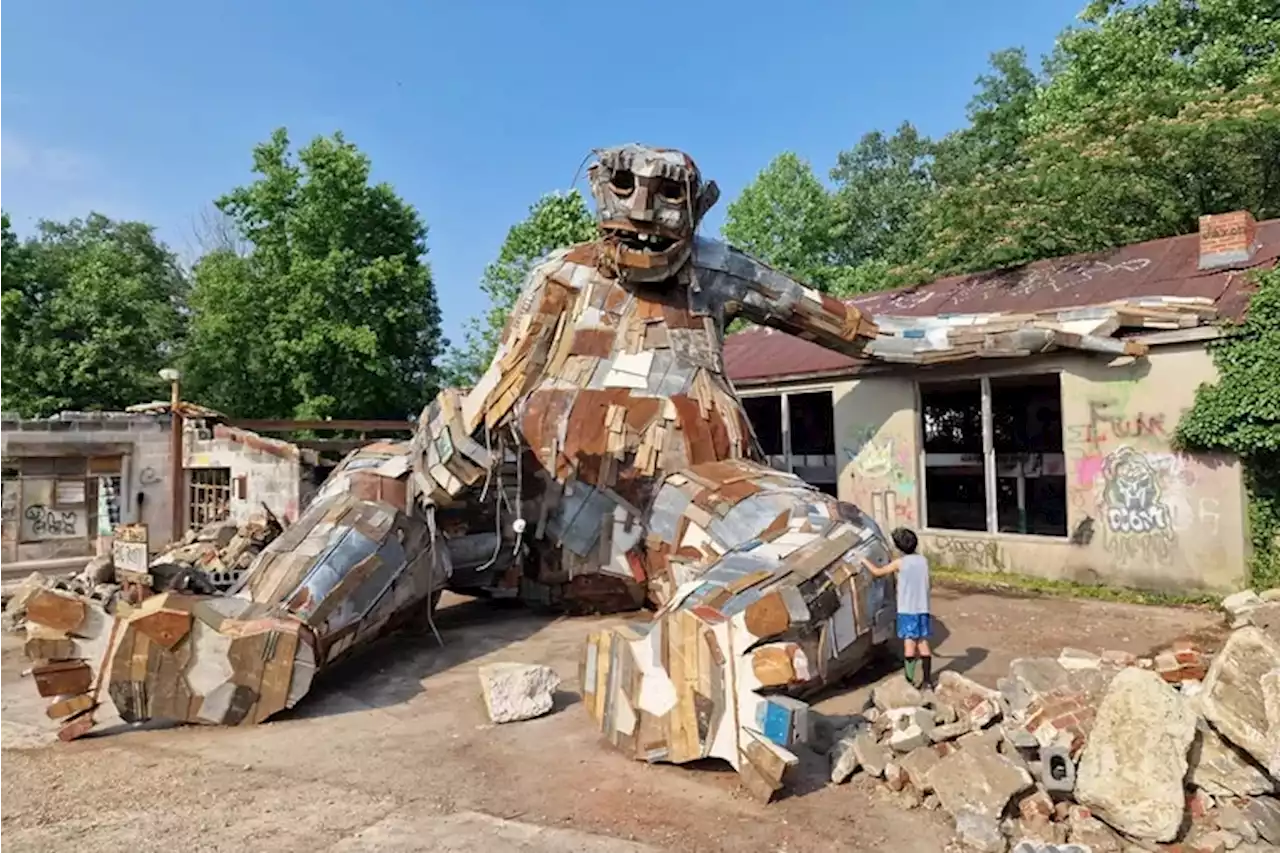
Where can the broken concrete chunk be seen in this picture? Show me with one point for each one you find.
(1029, 678)
(1132, 769)
(517, 691)
(872, 756)
(896, 692)
(1222, 770)
(844, 758)
(1266, 617)
(16, 607)
(1232, 695)
(977, 778)
(1079, 659)
(970, 699)
(894, 776)
(950, 731)
(1117, 658)
(917, 765)
(1037, 805)
(980, 832)
(101, 569)
(1240, 603)
(1092, 834)
(1234, 820)
(1263, 813)
(911, 727)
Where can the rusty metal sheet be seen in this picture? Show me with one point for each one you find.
(1166, 267)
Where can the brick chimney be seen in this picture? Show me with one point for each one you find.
(1227, 239)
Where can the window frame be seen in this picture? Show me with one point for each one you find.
(989, 467)
(789, 459)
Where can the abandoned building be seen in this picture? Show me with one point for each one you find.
(1055, 461)
(69, 478)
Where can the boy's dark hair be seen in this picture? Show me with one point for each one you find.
(905, 540)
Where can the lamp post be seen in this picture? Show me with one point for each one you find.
(171, 375)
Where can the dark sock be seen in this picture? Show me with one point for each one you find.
(926, 669)
(909, 669)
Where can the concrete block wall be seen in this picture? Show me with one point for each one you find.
(142, 442)
(273, 470)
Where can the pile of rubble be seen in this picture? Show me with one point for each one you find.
(209, 560)
(1108, 752)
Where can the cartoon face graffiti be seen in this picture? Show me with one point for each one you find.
(1132, 494)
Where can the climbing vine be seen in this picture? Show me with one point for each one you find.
(1240, 414)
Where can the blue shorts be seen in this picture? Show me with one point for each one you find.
(913, 626)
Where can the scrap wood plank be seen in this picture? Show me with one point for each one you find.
(77, 727)
(57, 610)
(70, 706)
(61, 678)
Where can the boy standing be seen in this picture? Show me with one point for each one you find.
(913, 604)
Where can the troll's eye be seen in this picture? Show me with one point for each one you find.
(671, 191)
(622, 183)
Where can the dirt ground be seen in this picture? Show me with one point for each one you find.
(393, 751)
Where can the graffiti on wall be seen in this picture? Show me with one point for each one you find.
(46, 522)
(963, 552)
(1143, 501)
(1131, 495)
(883, 475)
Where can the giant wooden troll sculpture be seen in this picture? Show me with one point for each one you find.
(646, 480)
(609, 434)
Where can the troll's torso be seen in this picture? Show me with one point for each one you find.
(629, 380)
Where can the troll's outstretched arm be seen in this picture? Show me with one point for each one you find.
(763, 295)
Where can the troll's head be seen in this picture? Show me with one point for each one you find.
(648, 205)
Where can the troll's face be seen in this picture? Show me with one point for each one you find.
(649, 202)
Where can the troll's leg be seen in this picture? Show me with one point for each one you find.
(346, 572)
(778, 604)
(183, 658)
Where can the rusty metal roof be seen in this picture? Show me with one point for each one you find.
(1164, 267)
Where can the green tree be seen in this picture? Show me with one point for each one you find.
(786, 218)
(91, 312)
(883, 183)
(555, 221)
(331, 312)
(998, 122)
(1149, 115)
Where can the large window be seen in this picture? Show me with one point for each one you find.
(797, 433)
(993, 457)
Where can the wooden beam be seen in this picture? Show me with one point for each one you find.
(324, 426)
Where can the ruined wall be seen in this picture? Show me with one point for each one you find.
(133, 447)
(1139, 513)
(263, 470)
(877, 447)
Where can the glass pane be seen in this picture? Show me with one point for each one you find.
(955, 484)
(1031, 483)
(765, 414)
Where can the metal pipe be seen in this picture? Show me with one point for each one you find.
(176, 470)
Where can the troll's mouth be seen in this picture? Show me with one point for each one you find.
(639, 241)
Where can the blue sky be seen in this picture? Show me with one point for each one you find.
(149, 110)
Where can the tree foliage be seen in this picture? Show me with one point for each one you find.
(554, 221)
(1240, 414)
(1145, 116)
(331, 312)
(91, 312)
